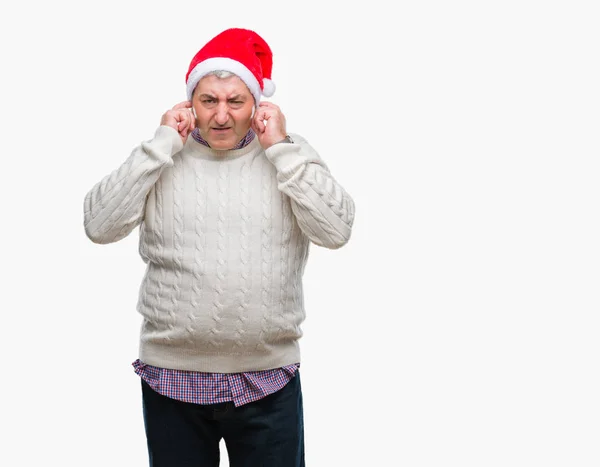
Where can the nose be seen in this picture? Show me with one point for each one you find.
(222, 114)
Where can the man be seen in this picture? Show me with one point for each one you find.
(227, 202)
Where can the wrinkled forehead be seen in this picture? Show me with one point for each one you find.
(223, 86)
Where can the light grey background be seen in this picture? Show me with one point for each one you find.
(459, 327)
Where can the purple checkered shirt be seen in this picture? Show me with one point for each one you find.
(243, 143)
(212, 388)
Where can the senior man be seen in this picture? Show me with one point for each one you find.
(227, 202)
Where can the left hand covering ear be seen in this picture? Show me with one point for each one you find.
(268, 123)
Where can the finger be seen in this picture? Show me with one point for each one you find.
(184, 124)
(182, 105)
(192, 119)
(263, 118)
(269, 105)
(184, 116)
(185, 129)
(258, 125)
(263, 115)
(173, 117)
(264, 108)
(181, 119)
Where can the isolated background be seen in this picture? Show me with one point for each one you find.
(459, 327)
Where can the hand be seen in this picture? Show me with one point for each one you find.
(181, 119)
(269, 124)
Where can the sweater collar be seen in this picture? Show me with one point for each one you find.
(245, 141)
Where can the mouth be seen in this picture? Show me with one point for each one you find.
(221, 129)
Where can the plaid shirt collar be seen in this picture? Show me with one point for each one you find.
(245, 141)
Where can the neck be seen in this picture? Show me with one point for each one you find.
(247, 139)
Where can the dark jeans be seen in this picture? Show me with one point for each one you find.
(266, 433)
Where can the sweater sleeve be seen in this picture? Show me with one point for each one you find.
(116, 204)
(323, 209)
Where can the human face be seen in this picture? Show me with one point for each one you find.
(223, 109)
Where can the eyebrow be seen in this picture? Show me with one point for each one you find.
(237, 97)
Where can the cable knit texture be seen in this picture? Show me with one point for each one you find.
(225, 237)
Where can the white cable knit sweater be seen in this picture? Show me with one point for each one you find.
(225, 236)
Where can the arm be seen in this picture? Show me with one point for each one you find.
(115, 205)
(323, 209)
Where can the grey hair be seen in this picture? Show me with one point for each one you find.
(221, 74)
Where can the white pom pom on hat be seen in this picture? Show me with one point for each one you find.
(268, 87)
(239, 51)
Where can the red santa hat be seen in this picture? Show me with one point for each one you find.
(239, 51)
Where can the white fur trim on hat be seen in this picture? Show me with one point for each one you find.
(227, 64)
